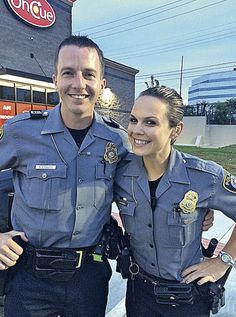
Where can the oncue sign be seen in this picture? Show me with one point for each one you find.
(36, 13)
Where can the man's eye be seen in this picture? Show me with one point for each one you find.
(90, 75)
(67, 73)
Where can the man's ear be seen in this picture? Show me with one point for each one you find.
(54, 79)
(103, 85)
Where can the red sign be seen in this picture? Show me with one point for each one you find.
(37, 13)
(7, 111)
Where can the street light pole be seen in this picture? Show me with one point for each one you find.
(181, 75)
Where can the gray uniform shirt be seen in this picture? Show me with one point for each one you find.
(167, 240)
(63, 193)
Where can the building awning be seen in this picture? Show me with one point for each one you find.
(26, 78)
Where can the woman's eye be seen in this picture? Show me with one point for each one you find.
(150, 122)
(132, 120)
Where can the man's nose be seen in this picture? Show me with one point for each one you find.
(78, 82)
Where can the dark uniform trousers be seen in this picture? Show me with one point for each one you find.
(85, 295)
(141, 302)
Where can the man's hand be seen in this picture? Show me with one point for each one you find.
(208, 220)
(9, 249)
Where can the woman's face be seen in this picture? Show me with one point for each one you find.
(148, 130)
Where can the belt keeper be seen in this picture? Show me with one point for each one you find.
(80, 253)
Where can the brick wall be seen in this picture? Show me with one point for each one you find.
(18, 40)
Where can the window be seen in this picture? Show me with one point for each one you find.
(39, 95)
(23, 93)
(52, 97)
(7, 90)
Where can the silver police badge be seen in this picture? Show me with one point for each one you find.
(110, 154)
(229, 182)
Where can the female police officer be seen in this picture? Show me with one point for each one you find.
(163, 196)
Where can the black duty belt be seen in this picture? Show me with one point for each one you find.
(55, 263)
(168, 292)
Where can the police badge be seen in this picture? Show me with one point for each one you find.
(189, 203)
(110, 154)
(229, 182)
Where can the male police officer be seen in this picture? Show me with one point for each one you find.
(63, 164)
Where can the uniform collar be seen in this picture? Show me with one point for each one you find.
(176, 171)
(99, 128)
(55, 124)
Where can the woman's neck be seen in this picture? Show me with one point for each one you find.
(156, 166)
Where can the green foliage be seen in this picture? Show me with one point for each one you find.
(225, 156)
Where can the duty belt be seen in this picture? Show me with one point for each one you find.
(55, 263)
(165, 291)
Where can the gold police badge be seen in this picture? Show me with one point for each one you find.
(110, 154)
(189, 203)
(229, 182)
(1, 132)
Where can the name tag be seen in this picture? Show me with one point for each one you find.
(45, 167)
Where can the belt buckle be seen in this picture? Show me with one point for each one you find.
(80, 256)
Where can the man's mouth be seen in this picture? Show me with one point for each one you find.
(79, 96)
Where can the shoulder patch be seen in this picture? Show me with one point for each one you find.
(113, 123)
(1, 132)
(229, 182)
(38, 114)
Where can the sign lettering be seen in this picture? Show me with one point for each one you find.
(37, 13)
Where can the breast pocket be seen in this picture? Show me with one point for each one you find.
(127, 213)
(103, 186)
(46, 187)
(181, 227)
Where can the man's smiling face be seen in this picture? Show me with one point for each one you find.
(78, 81)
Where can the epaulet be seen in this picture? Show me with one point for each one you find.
(38, 114)
(113, 123)
(202, 165)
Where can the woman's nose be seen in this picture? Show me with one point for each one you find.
(137, 128)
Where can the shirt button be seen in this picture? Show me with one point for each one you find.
(151, 245)
(150, 225)
(80, 180)
(75, 233)
(79, 207)
(153, 264)
(44, 175)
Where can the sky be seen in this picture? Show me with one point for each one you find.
(155, 36)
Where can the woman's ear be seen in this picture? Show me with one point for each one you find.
(177, 130)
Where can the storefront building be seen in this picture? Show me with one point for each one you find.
(30, 33)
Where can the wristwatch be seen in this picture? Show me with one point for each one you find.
(227, 258)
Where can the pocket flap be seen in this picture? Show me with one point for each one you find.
(45, 171)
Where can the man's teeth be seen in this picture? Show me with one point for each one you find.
(140, 141)
(79, 96)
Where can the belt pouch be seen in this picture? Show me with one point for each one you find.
(58, 265)
(173, 294)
